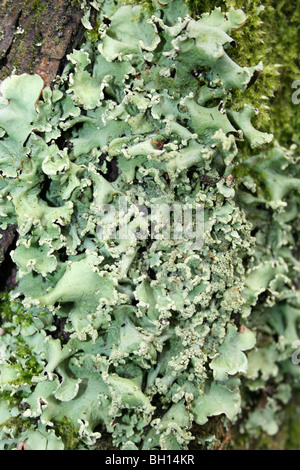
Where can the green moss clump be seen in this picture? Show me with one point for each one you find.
(68, 434)
(12, 312)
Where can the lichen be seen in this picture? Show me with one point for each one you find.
(143, 336)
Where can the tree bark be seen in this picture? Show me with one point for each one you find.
(36, 35)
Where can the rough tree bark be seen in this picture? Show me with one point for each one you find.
(36, 35)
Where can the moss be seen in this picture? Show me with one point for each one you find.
(13, 313)
(9, 310)
(11, 400)
(39, 7)
(93, 35)
(19, 424)
(68, 434)
(31, 369)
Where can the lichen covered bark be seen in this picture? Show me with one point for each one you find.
(35, 36)
(202, 333)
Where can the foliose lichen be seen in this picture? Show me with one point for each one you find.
(144, 337)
